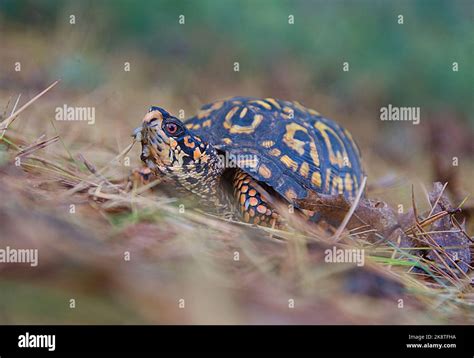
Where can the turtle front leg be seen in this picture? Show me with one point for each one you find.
(253, 202)
(140, 177)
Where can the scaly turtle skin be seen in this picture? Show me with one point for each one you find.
(243, 154)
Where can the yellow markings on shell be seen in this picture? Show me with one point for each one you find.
(228, 117)
(206, 123)
(262, 103)
(290, 163)
(313, 152)
(316, 179)
(340, 185)
(189, 125)
(289, 137)
(231, 113)
(348, 182)
(340, 160)
(206, 112)
(304, 169)
(243, 112)
(288, 110)
(217, 105)
(298, 145)
(327, 182)
(273, 102)
(268, 143)
(313, 112)
(336, 159)
(337, 185)
(288, 113)
(299, 106)
(196, 126)
(257, 119)
(275, 152)
(227, 140)
(264, 171)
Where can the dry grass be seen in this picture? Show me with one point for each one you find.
(68, 198)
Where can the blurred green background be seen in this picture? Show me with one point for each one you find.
(409, 64)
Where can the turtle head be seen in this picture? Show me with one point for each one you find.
(166, 142)
(172, 150)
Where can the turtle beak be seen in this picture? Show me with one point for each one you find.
(137, 134)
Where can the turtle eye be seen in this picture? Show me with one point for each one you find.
(172, 128)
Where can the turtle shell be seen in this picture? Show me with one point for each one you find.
(295, 149)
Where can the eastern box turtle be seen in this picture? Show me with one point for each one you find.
(243, 154)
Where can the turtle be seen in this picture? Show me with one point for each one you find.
(245, 154)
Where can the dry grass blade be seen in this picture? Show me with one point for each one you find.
(437, 199)
(413, 203)
(426, 222)
(440, 252)
(6, 123)
(458, 225)
(37, 146)
(351, 211)
(93, 170)
(54, 165)
(88, 164)
(83, 185)
(16, 104)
